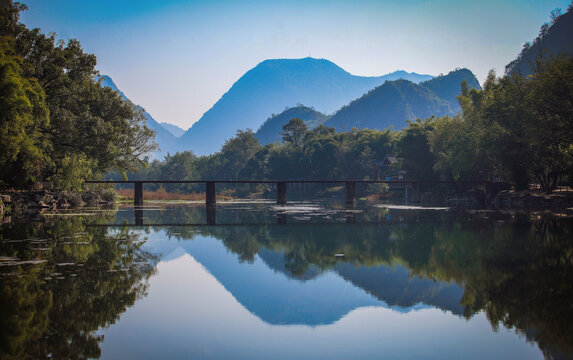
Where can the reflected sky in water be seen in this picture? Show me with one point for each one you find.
(204, 303)
(309, 280)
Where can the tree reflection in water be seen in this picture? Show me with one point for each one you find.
(516, 269)
(88, 278)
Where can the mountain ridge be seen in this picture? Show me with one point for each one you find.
(553, 40)
(394, 102)
(164, 138)
(273, 85)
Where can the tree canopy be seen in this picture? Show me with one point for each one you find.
(58, 124)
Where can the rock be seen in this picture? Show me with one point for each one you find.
(62, 204)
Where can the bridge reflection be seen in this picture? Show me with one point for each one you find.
(211, 216)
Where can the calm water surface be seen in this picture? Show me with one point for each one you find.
(304, 281)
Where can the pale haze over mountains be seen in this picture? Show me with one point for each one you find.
(173, 129)
(274, 86)
(165, 139)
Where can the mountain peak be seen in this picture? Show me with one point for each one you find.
(272, 86)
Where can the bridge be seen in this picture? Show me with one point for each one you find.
(281, 185)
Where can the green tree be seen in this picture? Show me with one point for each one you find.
(413, 149)
(88, 127)
(294, 132)
(23, 113)
(533, 122)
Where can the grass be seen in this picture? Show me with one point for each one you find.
(162, 195)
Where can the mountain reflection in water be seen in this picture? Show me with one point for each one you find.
(515, 269)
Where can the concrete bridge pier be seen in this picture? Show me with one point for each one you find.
(350, 194)
(138, 193)
(281, 192)
(211, 197)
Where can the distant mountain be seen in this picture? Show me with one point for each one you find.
(553, 39)
(271, 129)
(413, 77)
(394, 102)
(173, 129)
(165, 139)
(448, 87)
(274, 85)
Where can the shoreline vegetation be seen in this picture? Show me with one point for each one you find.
(22, 204)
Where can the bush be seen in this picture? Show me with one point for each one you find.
(73, 198)
(378, 188)
(108, 195)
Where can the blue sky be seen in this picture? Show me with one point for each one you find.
(176, 58)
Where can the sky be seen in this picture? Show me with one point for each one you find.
(176, 58)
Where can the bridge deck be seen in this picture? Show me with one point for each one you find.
(281, 186)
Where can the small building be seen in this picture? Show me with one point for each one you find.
(387, 170)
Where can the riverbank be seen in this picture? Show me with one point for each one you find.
(26, 202)
(507, 199)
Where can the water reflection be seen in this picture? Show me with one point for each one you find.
(515, 269)
(62, 282)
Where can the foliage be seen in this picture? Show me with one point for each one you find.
(414, 149)
(521, 127)
(23, 113)
(294, 132)
(58, 123)
(270, 131)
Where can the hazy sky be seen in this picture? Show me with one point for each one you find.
(176, 58)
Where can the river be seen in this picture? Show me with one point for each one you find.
(308, 280)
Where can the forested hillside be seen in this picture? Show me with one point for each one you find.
(554, 39)
(395, 102)
(271, 130)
